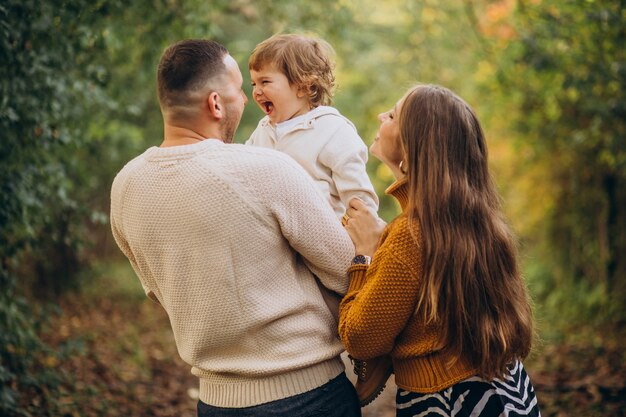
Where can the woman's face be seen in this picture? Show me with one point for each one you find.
(387, 146)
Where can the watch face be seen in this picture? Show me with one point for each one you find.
(360, 259)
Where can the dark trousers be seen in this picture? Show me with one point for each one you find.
(336, 398)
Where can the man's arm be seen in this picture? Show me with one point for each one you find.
(309, 224)
(116, 216)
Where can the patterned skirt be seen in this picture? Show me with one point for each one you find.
(473, 397)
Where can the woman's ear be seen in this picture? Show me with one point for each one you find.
(215, 105)
(402, 166)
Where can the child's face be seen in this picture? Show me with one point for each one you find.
(275, 96)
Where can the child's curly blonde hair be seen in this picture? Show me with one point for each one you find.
(305, 61)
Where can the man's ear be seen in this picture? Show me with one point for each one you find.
(215, 105)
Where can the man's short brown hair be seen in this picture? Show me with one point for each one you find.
(305, 61)
(186, 67)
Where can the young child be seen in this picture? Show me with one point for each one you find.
(292, 79)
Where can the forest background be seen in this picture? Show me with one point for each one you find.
(547, 79)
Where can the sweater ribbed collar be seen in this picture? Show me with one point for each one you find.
(181, 151)
(400, 191)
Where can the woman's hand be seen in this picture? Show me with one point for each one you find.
(363, 226)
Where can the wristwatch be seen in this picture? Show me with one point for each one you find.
(361, 260)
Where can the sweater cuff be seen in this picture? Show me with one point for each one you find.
(357, 276)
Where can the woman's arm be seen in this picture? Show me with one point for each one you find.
(380, 301)
(381, 298)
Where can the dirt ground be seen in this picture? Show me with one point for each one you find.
(121, 360)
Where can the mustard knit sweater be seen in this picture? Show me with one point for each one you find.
(377, 314)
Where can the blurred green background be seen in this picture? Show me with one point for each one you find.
(546, 78)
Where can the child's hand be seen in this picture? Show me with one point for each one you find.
(364, 227)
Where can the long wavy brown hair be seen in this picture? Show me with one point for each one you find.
(472, 283)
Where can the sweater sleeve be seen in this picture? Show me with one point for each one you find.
(310, 226)
(118, 190)
(380, 301)
(345, 155)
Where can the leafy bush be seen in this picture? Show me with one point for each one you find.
(567, 69)
(47, 87)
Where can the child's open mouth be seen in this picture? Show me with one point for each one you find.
(268, 106)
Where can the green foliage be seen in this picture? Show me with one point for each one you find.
(28, 376)
(568, 71)
(47, 85)
(46, 92)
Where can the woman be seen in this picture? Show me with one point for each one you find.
(443, 295)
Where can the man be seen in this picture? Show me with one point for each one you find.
(229, 239)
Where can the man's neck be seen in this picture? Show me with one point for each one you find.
(178, 135)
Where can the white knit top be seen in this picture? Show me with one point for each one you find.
(228, 239)
(328, 147)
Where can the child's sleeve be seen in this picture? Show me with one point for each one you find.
(345, 155)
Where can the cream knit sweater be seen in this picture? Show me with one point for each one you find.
(227, 238)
